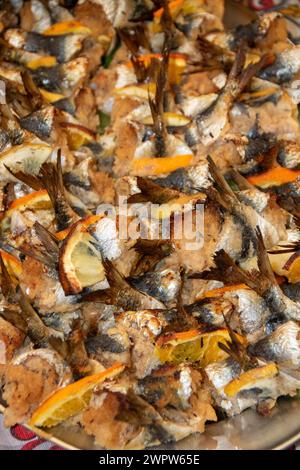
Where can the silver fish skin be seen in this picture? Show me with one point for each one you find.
(237, 234)
(289, 155)
(281, 346)
(163, 285)
(255, 198)
(212, 123)
(280, 305)
(286, 65)
(252, 314)
(42, 18)
(221, 373)
(118, 12)
(206, 313)
(188, 180)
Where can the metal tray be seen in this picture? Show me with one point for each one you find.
(247, 431)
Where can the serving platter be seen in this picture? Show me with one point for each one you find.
(247, 431)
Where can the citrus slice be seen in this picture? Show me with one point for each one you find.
(72, 399)
(187, 7)
(67, 27)
(250, 378)
(80, 263)
(220, 291)
(177, 64)
(174, 7)
(274, 177)
(139, 90)
(171, 120)
(147, 166)
(192, 346)
(286, 264)
(43, 61)
(86, 222)
(26, 157)
(51, 97)
(12, 264)
(179, 204)
(77, 135)
(38, 200)
(258, 94)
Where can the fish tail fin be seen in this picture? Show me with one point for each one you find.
(52, 179)
(227, 195)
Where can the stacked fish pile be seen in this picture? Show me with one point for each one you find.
(141, 340)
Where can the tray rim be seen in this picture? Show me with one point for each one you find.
(40, 432)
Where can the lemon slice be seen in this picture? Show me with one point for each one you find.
(72, 399)
(27, 158)
(192, 346)
(250, 378)
(80, 263)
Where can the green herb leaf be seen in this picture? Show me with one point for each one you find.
(108, 57)
(104, 121)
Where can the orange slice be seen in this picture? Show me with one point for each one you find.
(51, 97)
(12, 264)
(86, 222)
(219, 291)
(174, 7)
(43, 61)
(254, 95)
(193, 346)
(274, 177)
(147, 166)
(138, 90)
(250, 378)
(36, 200)
(26, 157)
(177, 57)
(77, 135)
(177, 205)
(287, 265)
(177, 64)
(171, 120)
(188, 7)
(72, 399)
(67, 27)
(80, 263)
